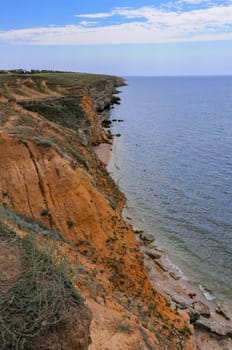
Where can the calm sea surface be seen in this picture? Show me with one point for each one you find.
(174, 163)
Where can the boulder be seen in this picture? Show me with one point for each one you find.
(137, 231)
(180, 302)
(161, 265)
(152, 254)
(116, 100)
(224, 311)
(146, 237)
(106, 123)
(201, 309)
(193, 315)
(174, 275)
(158, 248)
(214, 327)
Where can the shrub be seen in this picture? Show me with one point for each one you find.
(124, 328)
(41, 299)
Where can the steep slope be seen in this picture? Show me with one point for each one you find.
(39, 307)
(50, 177)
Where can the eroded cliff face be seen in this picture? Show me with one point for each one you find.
(50, 173)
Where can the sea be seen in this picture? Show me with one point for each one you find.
(173, 161)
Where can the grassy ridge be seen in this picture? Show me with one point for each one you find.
(66, 79)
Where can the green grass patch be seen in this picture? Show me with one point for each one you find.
(41, 300)
(64, 111)
(70, 80)
(30, 225)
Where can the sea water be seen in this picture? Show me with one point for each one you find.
(174, 163)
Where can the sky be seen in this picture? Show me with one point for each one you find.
(140, 37)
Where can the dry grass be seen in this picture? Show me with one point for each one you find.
(41, 299)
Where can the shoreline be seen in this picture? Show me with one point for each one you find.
(103, 151)
(212, 330)
(184, 295)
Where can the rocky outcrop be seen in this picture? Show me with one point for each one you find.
(101, 94)
(201, 309)
(224, 311)
(213, 327)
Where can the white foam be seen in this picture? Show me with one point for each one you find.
(176, 268)
(208, 296)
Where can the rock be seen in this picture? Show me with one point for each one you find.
(174, 275)
(159, 249)
(152, 254)
(224, 311)
(201, 308)
(146, 237)
(150, 245)
(116, 100)
(180, 302)
(137, 231)
(106, 123)
(161, 265)
(214, 327)
(193, 315)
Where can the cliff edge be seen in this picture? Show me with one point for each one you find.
(56, 193)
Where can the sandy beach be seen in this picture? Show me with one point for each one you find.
(104, 152)
(213, 330)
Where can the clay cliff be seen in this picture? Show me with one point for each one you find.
(56, 193)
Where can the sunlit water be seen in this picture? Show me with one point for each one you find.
(174, 162)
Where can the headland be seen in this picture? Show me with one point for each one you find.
(60, 208)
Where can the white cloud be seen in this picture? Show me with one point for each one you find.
(146, 25)
(102, 15)
(88, 23)
(96, 15)
(194, 2)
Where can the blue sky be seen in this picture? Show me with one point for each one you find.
(176, 37)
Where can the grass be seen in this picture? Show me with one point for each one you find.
(66, 111)
(29, 224)
(41, 300)
(124, 328)
(185, 330)
(69, 80)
